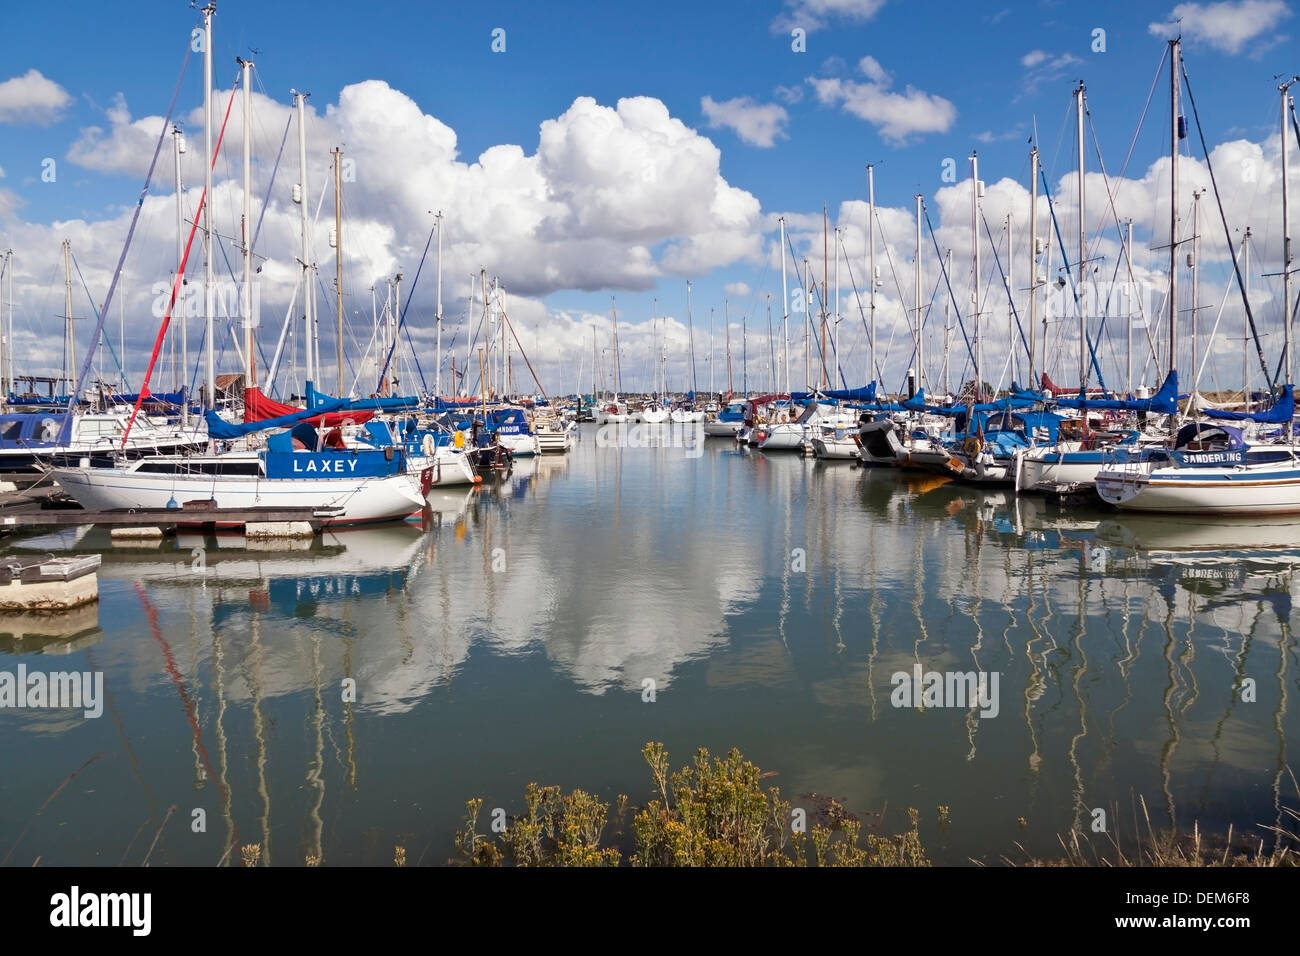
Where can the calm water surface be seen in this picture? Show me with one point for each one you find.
(769, 599)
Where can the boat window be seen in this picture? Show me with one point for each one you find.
(11, 431)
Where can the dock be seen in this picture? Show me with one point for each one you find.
(49, 508)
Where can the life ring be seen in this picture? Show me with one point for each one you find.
(972, 446)
(427, 445)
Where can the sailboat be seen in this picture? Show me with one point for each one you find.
(297, 468)
(1211, 468)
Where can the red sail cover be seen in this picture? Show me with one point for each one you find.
(1059, 390)
(258, 408)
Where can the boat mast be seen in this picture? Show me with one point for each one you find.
(299, 102)
(1033, 259)
(947, 329)
(1286, 232)
(1193, 260)
(338, 265)
(712, 390)
(975, 245)
(785, 312)
(246, 299)
(1011, 305)
(437, 375)
(618, 365)
(6, 326)
(210, 400)
(807, 325)
(1245, 331)
(916, 278)
(68, 336)
(178, 147)
(1082, 252)
(871, 263)
(1173, 205)
(690, 335)
(822, 313)
(835, 329)
(392, 322)
(726, 304)
(1128, 256)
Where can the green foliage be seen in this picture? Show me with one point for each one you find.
(712, 812)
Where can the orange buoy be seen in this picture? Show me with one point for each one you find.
(478, 479)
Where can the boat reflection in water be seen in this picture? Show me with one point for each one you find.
(334, 700)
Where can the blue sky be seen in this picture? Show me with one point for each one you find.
(1000, 69)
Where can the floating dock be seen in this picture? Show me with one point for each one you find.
(46, 508)
(48, 584)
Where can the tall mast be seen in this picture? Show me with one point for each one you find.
(246, 227)
(712, 390)
(1080, 285)
(392, 321)
(690, 334)
(178, 147)
(825, 266)
(1245, 332)
(835, 329)
(6, 326)
(785, 313)
(338, 265)
(726, 305)
(916, 273)
(1011, 305)
(210, 400)
(1128, 256)
(68, 336)
(437, 375)
(1193, 260)
(618, 364)
(947, 326)
(871, 263)
(807, 325)
(1174, 54)
(975, 246)
(1033, 259)
(299, 101)
(1286, 233)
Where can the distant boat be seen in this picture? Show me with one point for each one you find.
(652, 413)
(729, 420)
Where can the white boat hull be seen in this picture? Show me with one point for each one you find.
(835, 449)
(362, 499)
(1246, 491)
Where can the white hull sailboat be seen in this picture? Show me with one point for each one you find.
(240, 480)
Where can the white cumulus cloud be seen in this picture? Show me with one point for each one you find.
(759, 124)
(32, 99)
(898, 116)
(813, 15)
(1225, 26)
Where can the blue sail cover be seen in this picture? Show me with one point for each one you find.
(1001, 405)
(1163, 402)
(916, 403)
(315, 400)
(1283, 410)
(165, 398)
(867, 393)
